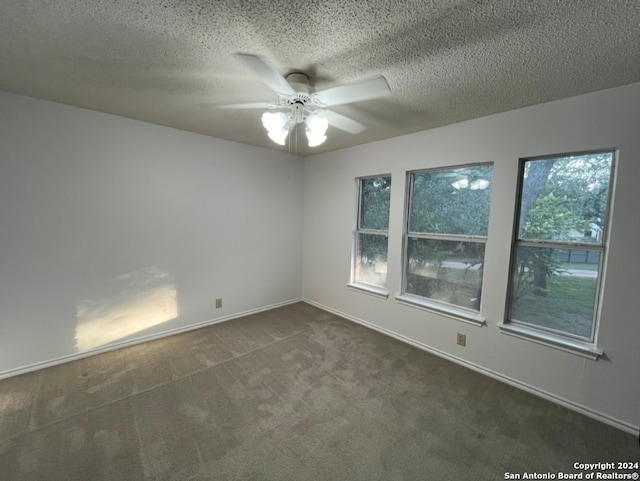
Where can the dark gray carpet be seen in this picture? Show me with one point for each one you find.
(290, 394)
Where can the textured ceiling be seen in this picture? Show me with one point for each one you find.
(170, 62)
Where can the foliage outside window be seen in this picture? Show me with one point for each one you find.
(556, 272)
(372, 231)
(446, 233)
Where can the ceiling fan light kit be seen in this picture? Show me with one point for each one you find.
(299, 105)
(279, 124)
(315, 130)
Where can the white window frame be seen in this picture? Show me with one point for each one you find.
(554, 338)
(458, 313)
(375, 290)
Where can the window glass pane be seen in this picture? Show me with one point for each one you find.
(371, 261)
(375, 195)
(565, 199)
(451, 201)
(446, 271)
(556, 288)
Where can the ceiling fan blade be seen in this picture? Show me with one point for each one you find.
(253, 105)
(266, 73)
(341, 122)
(354, 92)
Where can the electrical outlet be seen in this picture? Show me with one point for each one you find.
(218, 303)
(461, 339)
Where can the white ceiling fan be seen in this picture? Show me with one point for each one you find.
(297, 103)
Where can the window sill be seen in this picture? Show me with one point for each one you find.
(375, 291)
(579, 348)
(459, 314)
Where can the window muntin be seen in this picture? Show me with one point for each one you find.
(372, 231)
(447, 225)
(559, 248)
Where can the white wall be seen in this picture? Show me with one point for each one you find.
(93, 207)
(608, 388)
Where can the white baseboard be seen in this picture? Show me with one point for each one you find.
(119, 345)
(616, 423)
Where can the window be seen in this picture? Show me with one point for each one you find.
(559, 247)
(445, 236)
(371, 233)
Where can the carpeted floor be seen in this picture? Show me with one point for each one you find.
(290, 394)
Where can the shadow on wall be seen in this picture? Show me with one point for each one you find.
(125, 305)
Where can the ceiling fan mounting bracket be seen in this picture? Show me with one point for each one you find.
(299, 81)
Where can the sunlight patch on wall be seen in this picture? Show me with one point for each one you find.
(125, 305)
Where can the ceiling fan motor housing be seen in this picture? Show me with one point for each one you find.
(299, 100)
